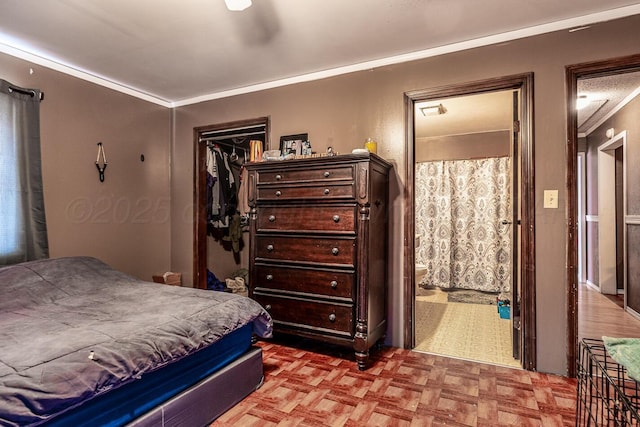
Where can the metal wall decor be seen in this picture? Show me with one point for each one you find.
(101, 165)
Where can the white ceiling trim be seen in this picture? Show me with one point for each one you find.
(8, 46)
(75, 72)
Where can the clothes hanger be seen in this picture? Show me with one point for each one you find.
(234, 156)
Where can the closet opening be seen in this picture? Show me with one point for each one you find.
(221, 232)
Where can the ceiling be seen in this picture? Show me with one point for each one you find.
(485, 112)
(605, 96)
(177, 52)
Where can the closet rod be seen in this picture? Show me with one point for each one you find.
(228, 145)
(225, 130)
(235, 135)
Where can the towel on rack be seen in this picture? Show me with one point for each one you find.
(625, 351)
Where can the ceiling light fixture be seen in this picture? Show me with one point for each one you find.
(237, 5)
(433, 110)
(582, 102)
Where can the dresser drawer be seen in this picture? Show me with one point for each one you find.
(329, 173)
(307, 314)
(304, 280)
(322, 250)
(295, 192)
(328, 219)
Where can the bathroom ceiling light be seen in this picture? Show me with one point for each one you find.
(433, 110)
(237, 5)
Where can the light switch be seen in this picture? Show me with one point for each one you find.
(551, 199)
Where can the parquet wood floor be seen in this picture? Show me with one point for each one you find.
(308, 385)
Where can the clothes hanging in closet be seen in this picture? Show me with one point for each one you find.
(243, 194)
(221, 188)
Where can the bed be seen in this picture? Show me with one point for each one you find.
(84, 344)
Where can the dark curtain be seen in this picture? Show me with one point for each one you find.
(23, 228)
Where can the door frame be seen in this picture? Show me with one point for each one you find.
(200, 191)
(523, 82)
(607, 215)
(572, 74)
(581, 224)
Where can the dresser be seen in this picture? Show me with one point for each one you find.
(318, 247)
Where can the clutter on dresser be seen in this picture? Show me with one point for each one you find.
(371, 146)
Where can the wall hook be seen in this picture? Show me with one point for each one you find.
(104, 162)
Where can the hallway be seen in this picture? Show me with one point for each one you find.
(599, 315)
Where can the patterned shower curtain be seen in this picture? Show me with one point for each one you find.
(459, 208)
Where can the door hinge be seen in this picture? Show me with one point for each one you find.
(516, 322)
(516, 126)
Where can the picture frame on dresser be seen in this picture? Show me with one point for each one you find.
(293, 144)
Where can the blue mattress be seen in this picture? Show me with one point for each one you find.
(73, 330)
(129, 402)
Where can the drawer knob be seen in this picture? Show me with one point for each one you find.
(326, 174)
(334, 284)
(332, 317)
(336, 218)
(272, 218)
(267, 307)
(326, 191)
(278, 193)
(270, 248)
(278, 177)
(269, 276)
(335, 251)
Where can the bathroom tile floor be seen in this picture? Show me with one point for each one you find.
(462, 330)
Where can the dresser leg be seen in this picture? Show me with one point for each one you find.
(362, 359)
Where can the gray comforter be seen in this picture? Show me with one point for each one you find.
(74, 328)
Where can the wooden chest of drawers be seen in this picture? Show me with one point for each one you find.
(318, 249)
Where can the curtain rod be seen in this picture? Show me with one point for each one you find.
(32, 93)
(462, 158)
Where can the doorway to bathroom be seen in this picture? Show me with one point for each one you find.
(471, 158)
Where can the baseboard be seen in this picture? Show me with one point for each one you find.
(632, 312)
(593, 285)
